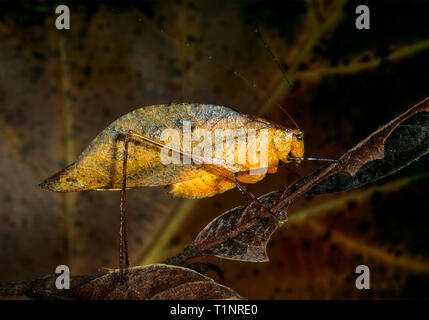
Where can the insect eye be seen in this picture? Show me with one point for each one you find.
(299, 137)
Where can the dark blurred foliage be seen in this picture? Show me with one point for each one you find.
(58, 89)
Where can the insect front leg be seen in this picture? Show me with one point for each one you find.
(244, 193)
(248, 195)
(203, 268)
(296, 174)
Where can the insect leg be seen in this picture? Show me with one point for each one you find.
(123, 245)
(203, 268)
(140, 136)
(244, 194)
(249, 195)
(284, 165)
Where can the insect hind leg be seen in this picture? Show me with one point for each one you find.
(123, 243)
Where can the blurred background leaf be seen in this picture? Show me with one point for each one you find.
(59, 89)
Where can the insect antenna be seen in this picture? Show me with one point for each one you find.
(251, 83)
(290, 117)
(267, 47)
(209, 58)
(239, 75)
(283, 71)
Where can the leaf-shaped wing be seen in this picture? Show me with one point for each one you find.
(100, 164)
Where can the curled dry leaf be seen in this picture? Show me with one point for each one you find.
(44, 288)
(243, 233)
(155, 282)
(140, 283)
(388, 150)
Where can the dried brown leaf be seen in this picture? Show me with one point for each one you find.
(239, 234)
(158, 282)
(155, 282)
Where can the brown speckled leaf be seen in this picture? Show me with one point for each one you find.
(239, 234)
(198, 290)
(155, 282)
(158, 282)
